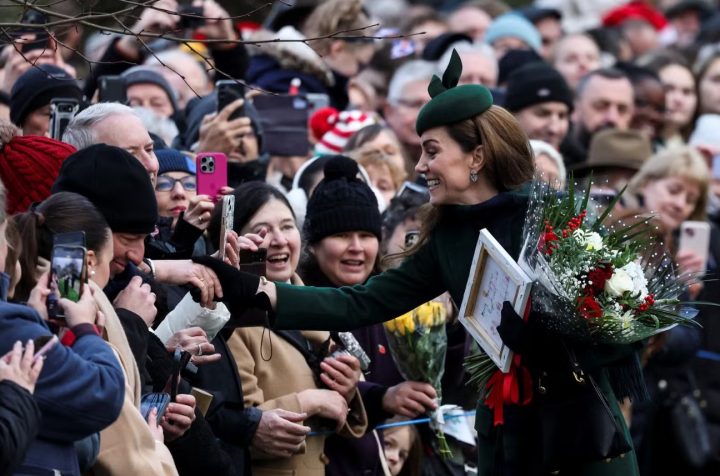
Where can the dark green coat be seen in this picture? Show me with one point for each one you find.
(442, 264)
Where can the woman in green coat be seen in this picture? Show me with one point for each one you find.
(475, 157)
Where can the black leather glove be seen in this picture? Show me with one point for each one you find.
(515, 332)
(239, 288)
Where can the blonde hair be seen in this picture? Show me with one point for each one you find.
(683, 162)
(375, 157)
(336, 17)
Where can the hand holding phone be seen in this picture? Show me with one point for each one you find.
(68, 273)
(229, 91)
(226, 223)
(695, 237)
(62, 110)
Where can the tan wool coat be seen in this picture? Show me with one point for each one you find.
(127, 447)
(273, 372)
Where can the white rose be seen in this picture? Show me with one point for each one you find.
(619, 283)
(636, 273)
(593, 241)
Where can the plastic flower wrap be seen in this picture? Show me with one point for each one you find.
(418, 344)
(595, 283)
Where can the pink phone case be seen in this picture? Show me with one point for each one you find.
(211, 173)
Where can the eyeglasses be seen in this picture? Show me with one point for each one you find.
(166, 184)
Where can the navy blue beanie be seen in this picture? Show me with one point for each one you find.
(172, 160)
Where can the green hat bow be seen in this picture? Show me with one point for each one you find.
(451, 103)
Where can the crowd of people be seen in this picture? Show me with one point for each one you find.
(366, 145)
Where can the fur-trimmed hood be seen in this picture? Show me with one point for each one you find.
(291, 53)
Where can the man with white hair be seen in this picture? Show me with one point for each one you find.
(113, 124)
(407, 93)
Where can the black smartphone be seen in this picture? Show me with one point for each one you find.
(191, 17)
(112, 89)
(229, 90)
(68, 272)
(40, 42)
(62, 110)
(181, 359)
(253, 261)
(71, 238)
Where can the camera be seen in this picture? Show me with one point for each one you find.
(348, 345)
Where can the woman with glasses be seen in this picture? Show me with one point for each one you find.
(176, 183)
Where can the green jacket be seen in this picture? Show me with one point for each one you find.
(442, 264)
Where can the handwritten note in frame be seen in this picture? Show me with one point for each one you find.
(494, 278)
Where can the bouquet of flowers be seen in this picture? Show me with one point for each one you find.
(593, 283)
(418, 344)
(596, 283)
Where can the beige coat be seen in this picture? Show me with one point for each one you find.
(273, 372)
(127, 447)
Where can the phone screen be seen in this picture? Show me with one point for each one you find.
(226, 224)
(67, 272)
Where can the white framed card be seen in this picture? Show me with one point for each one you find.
(494, 278)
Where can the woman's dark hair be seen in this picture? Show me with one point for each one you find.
(249, 198)
(363, 136)
(314, 168)
(62, 212)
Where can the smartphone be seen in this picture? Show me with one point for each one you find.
(68, 271)
(211, 173)
(112, 89)
(228, 91)
(180, 361)
(191, 17)
(62, 110)
(412, 189)
(159, 400)
(695, 236)
(41, 41)
(226, 222)
(43, 344)
(71, 238)
(284, 120)
(253, 261)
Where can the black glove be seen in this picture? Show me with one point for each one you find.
(239, 288)
(514, 332)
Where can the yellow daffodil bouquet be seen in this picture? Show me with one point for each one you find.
(418, 344)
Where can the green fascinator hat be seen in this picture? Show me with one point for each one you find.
(451, 103)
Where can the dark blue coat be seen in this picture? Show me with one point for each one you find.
(80, 390)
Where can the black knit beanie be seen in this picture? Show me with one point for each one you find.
(341, 202)
(536, 83)
(37, 86)
(116, 183)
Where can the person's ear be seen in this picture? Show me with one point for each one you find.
(91, 260)
(337, 47)
(477, 160)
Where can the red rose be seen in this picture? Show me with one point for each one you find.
(589, 308)
(597, 277)
(546, 245)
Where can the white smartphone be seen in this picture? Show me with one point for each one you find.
(695, 236)
(226, 222)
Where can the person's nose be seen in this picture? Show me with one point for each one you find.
(355, 244)
(422, 165)
(135, 253)
(277, 238)
(612, 115)
(178, 191)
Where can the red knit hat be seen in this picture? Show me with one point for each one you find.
(29, 166)
(635, 10)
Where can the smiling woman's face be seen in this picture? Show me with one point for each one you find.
(282, 239)
(347, 258)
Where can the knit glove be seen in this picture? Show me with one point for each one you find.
(239, 288)
(513, 330)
